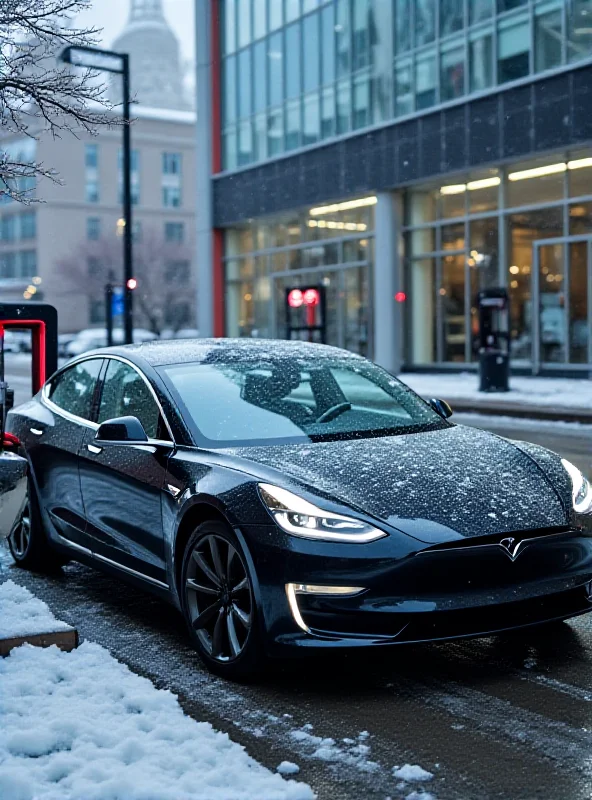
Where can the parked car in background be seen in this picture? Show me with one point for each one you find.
(64, 340)
(91, 338)
(182, 333)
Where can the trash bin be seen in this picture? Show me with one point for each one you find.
(494, 340)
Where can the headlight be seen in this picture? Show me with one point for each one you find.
(581, 489)
(300, 518)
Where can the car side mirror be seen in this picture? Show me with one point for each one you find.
(122, 429)
(441, 407)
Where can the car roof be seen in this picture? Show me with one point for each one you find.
(177, 351)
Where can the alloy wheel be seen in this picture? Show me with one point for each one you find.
(219, 597)
(21, 535)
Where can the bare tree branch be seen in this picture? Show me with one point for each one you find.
(39, 95)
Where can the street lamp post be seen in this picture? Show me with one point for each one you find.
(118, 63)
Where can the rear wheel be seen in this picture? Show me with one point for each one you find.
(219, 604)
(28, 541)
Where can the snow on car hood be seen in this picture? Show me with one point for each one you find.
(435, 486)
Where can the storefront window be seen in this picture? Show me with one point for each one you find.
(579, 173)
(423, 310)
(534, 182)
(452, 305)
(453, 237)
(578, 303)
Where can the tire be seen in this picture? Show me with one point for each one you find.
(28, 542)
(216, 586)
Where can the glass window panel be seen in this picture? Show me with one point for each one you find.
(310, 37)
(245, 83)
(403, 89)
(381, 44)
(309, 5)
(579, 173)
(259, 18)
(508, 5)
(292, 9)
(312, 119)
(293, 125)
(451, 16)
(523, 230)
(423, 310)
(357, 310)
(425, 81)
(481, 61)
(452, 73)
(483, 191)
(293, 87)
(552, 316)
(483, 253)
(342, 30)
(343, 106)
(513, 50)
(533, 187)
(453, 236)
(361, 34)
(276, 14)
(420, 207)
(580, 219)
(361, 104)
(275, 133)
(260, 137)
(480, 10)
(125, 393)
(229, 84)
(73, 389)
(579, 30)
(403, 10)
(328, 43)
(452, 302)
(578, 302)
(355, 250)
(425, 21)
(230, 150)
(328, 112)
(229, 11)
(452, 203)
(548, 40)
(276, 61)
(259, 75)
(244, 22)
(245, 143)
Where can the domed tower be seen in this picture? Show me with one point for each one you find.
(156, 75)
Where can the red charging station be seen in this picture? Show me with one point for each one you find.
(305, 313)
(42, 320)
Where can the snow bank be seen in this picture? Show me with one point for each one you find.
(82, 726)
(23, 614)
(529, 391)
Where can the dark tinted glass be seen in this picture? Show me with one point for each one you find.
(125, 394)
(74, 388)
(272, 401)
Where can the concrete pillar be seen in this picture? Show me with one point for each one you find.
(387, 281)
(203, 157)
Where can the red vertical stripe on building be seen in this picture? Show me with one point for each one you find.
(217, 234)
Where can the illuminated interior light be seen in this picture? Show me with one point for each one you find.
(579, 163)
(36, 280)
(484, 183)
(454, 188)
(345, 206)
(312, 223)
(514, 269)
(537, 172)
(514, 284)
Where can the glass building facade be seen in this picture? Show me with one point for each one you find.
(298, 72)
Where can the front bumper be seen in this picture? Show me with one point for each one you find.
(414, 593)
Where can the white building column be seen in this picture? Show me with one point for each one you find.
(204, 251)
(387, 281)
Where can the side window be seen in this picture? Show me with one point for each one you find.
(125, 394)
(73, 389)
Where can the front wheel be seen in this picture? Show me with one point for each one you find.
(28, 542)
(219, 603)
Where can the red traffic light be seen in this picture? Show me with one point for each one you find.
(295, 298)
(311, 297)
(132, 283)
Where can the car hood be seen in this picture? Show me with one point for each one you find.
(435, 486)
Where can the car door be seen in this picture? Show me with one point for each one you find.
(52, 439)
(122, 483)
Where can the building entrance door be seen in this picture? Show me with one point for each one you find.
(562, 295)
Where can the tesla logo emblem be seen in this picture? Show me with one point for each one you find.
(511, 546)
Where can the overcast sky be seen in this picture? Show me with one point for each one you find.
(111, 15)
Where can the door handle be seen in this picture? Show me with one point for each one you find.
(36, 431)
(94, 449)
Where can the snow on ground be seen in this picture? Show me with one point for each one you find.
(21, 613)
(501, 421)
(529, 391)
(82, 726)
(412, 772)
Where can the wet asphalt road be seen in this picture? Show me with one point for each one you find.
(502, 717)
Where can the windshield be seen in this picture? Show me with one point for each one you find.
(267, 401)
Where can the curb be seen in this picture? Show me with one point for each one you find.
(65, 640)
(581, 415)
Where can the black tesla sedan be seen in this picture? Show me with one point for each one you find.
(289, 496)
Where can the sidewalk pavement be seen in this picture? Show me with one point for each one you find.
(568, 399)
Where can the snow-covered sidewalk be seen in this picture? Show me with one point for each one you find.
(568, 395)
(82, 726)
